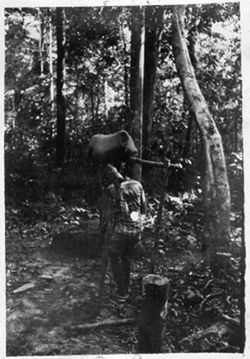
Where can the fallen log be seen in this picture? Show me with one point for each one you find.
(83, 328)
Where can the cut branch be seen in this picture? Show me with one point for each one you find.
(154, 163)
(209, 297)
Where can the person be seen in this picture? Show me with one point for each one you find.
(131, 208)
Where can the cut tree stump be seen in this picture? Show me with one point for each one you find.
(153, 313)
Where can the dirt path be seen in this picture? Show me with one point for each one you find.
(62, 294)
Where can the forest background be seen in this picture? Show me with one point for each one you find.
(47, 130)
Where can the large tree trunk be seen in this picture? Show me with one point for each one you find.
(60, 150)
(153, 27)
(136, 82)
(217, 193)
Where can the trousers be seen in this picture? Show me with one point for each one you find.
(121, 249)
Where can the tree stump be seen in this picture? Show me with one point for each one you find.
(153, 313)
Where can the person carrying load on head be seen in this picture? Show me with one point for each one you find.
(131, 208)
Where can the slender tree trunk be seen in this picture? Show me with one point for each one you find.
(60, 150)
(41, 54)
(41, 40)
(51, 70)
(97, 101)
(106, 104)
(92, 100)
(191, 118)
(235, 135)
(126, 85)
(242, 305)
(217, 193)
(125, 67)
(136, 82)
(153, 26)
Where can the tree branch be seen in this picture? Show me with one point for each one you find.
(82, 328)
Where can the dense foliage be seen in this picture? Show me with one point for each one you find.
(42, 199)
(97, 48)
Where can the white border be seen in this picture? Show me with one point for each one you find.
(69, 3)
(245, 25)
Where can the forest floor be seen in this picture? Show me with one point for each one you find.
(52, 286)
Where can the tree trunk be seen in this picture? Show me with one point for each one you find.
(60, 150)
(153, 314)
(106, 104)
(191, 118)
(136, 82)
(41, 40)
(159, 217)
(51, 71)
(125, 54)
(242, 304)
(153, 25)
(235, 135)
(92, 100)
(217, 193)
(97, 101)
(188, 142)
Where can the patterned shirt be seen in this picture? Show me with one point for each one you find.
(131, 206)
